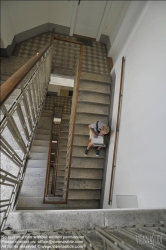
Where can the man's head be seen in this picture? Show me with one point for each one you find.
(104, 130)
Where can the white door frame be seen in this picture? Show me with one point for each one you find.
(101, 26)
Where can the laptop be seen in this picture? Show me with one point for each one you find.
(99, 141)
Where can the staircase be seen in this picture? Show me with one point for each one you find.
(86, 172)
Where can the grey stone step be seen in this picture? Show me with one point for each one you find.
(41, 143)
(99, 87)
(64, 135)
(38, 156)
(65, 122)
(65, 128)
(63, 141)
(81, 140)
(84, 184)
(42, 125)
(65, 116)
(61, 167)
(61, 160)
(46, 113)
(42, 137)
(86, 96)
(31, 191)
(35, 172)
(112, 218)
(63, 147)
(93, 108)
(61, 172)
(95, 77)
(90, 118)
(87, 162)
(81, 129)
(86, 173)
(62, 153)
(37, 203)
(78, 151)
(37, 164)
(39, 149)
(33, 181)
(84, 194)
(43, 131)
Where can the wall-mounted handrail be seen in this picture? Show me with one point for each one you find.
(116, 135)
(9, 86)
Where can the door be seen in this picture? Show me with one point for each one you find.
(88, 18)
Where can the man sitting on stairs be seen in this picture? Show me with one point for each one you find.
(96, 129)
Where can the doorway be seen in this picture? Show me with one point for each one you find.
(88, 17)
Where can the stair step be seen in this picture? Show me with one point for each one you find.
(60, 172)
(81, 140)
(38, 156)
(86, 173)
(90, 118)
(32, 203)
(41, 143)
(62, 153)
(65, 128)
(65, 122)
(62, 160)
(95, 77)
(36, 172)
(92, 108)
(66, 116)
(98, 87)
(40, 149)
(78, 151)
(86, 96)
(81, 129)
(63, 141)
(84, 184)
(43, 131)
(33, 181)
(84, 194)
(63, 147)
(64, 135)
(42, 137)
(87, 162)
(31, 191)
(46, 113)
(37, 164)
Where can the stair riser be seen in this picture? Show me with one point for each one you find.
(88, 119)
(94, 86)
(85, 96)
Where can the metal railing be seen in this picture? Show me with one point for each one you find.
(64, 198)
(72, 127)
(93, 238)
(116, 135)
(52, 164)
(22, 98)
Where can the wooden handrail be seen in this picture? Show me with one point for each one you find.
(69, 41)
(116, 134)
(77, 89)
(8, 87)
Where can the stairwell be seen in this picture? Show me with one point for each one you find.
(86, 172)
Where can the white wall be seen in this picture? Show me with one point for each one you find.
(19, 16)
(141, 156)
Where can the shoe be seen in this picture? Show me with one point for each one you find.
(86, 152)
(97, 152)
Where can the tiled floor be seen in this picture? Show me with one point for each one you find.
(66, 54)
